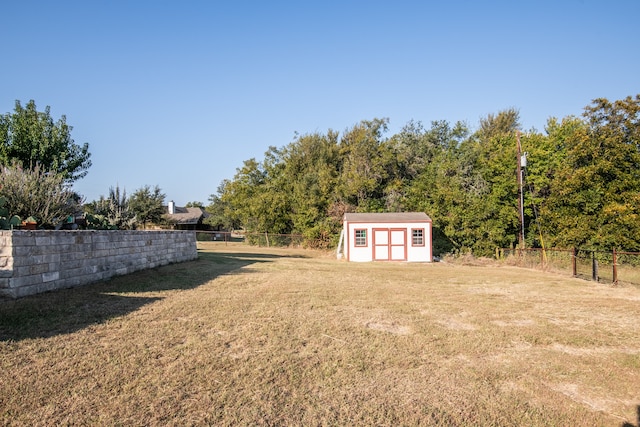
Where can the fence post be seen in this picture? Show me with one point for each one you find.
(615, 267)
(574, 264)
(594, 266)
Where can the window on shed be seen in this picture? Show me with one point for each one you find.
(361, 238)
(417, 237)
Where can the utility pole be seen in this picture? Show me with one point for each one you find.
(522, 163)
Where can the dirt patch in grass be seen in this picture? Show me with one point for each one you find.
(256, 336)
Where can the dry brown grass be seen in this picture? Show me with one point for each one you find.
(248, 336)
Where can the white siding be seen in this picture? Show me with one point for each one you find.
(388, 241)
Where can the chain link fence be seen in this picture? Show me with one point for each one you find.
(255, 239)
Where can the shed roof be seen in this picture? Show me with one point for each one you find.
(387, 217)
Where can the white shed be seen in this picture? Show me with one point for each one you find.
(404, 236)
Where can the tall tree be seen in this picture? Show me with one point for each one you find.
(545, 155)
(312, 165)
(245, 197)
(471, 188)
(439, 179)
(32, 138)
(595, 196)
(148, 204)
(219, 210)
(475, 188)
(365, 165)
(274, 201)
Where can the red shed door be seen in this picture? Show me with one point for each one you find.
(389, 244)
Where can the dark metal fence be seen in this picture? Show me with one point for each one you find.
(601, 266)
(256, 239)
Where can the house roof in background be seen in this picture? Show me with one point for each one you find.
(188, 215)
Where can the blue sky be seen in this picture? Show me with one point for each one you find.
(179, 94)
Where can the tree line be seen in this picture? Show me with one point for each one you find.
(581, 182)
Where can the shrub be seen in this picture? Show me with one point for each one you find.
(37, 193)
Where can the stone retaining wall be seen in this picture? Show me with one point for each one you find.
(38, 261)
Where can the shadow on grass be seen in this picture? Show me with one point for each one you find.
(69, 310)
(637, 419)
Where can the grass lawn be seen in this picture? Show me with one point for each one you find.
(256, 336)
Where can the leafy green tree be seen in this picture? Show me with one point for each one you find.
(194, 204)
(148, 205)
(38, 194)
(496, 160)
(219, 210)
(240, 196)
(275, 200)
(438, 180)
(455, 194)
(416, 148)
(366, 162)
(545, 154)
(258, 197)
(311, 170)
(468, 184)
(32, 138)
(595, 195)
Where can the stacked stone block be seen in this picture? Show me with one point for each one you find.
(38, 261)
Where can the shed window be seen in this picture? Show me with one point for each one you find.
(361, 237)
(417, 237)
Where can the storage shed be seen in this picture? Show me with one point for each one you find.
(404, 236)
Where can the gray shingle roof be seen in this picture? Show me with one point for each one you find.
(187, 216)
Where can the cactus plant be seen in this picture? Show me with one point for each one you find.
(7, 222)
